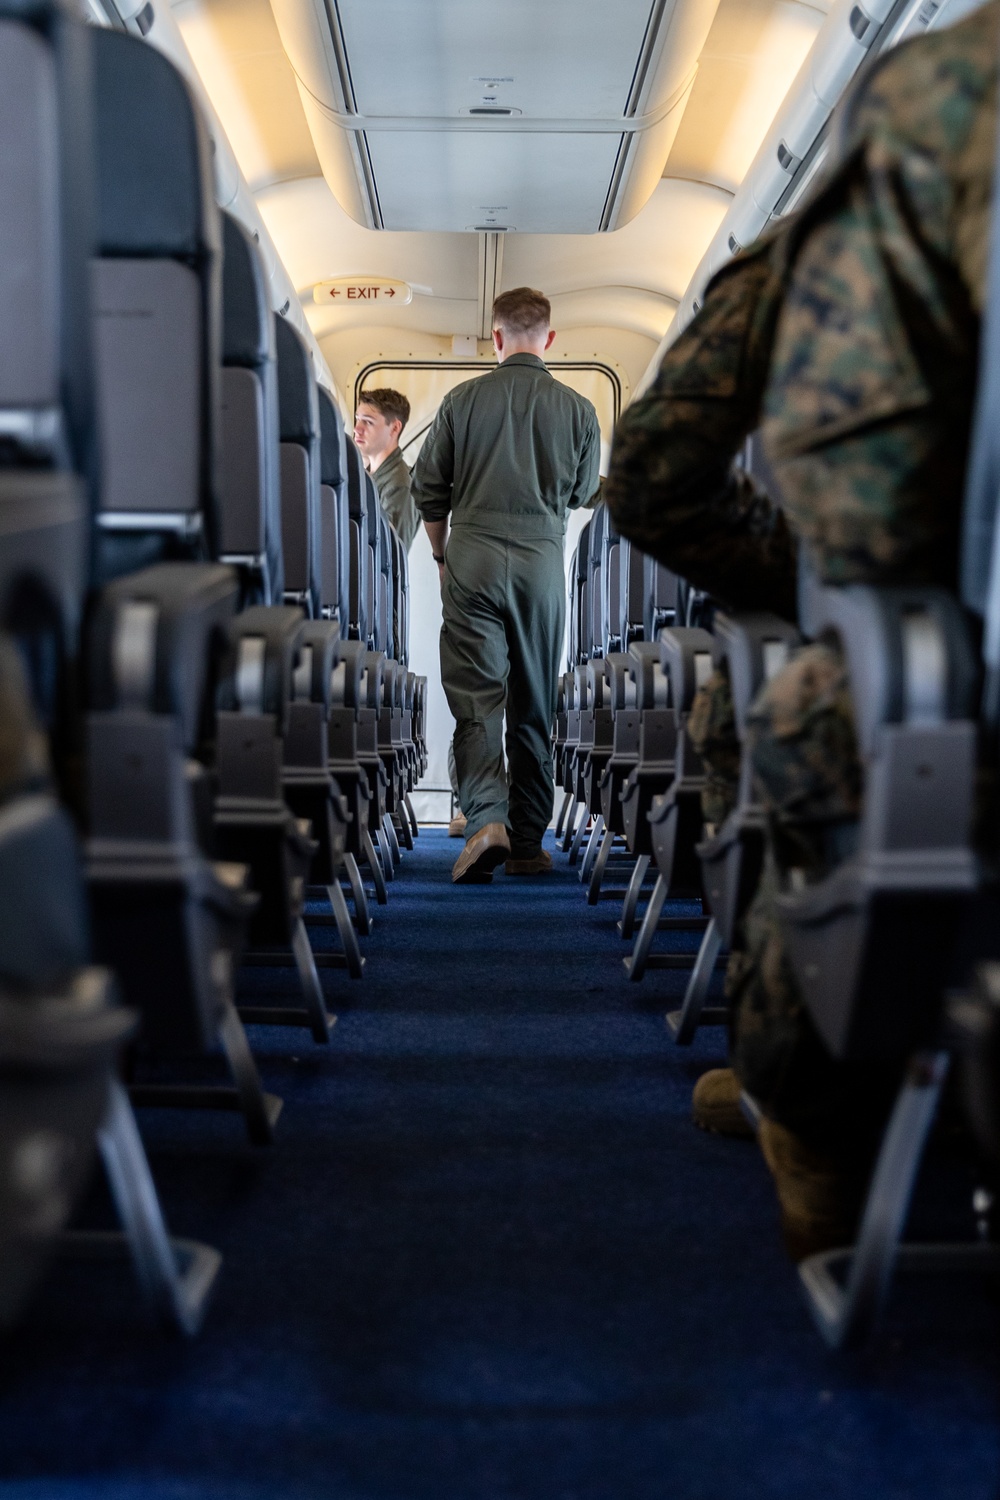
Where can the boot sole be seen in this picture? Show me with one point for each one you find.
(480, 872)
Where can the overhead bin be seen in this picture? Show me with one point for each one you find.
(494, 115)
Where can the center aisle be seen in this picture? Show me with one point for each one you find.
(488, 1258)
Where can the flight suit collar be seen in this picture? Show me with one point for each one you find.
(524, 359)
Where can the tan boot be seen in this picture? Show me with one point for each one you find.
(538, 864)
(715, 1104)
(456, 828)
(481, 855)
(820, 1199)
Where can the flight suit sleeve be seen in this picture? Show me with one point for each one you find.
(433, 475)
(587, 487)
(672, 487)
(397, 502)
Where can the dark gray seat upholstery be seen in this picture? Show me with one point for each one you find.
(249, 473)
(298, 401)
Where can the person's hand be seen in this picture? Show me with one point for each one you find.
(440, 568)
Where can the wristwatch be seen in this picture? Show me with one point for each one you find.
(438, 560)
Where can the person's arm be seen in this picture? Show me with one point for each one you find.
(587, 485)
(672, 487)
(437, 535)
(432, 479)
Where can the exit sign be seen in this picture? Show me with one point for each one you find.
(359, 291)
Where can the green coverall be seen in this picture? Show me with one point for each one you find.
(507, 456)
(392, 480)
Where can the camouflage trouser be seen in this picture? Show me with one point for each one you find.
(800, 734)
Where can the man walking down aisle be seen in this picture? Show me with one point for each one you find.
(508, 455)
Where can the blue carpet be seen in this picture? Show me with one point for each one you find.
(488, 1258)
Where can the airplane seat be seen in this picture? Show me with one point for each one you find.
(661, 591)
(253, 822)
(632, 594)
(155, 283)
(376, 577)
(336, 557)
(675, 817)
(47, 453)
(61, 1030)
(298, 405)
(249, 470)
(754, 647)
(361, 605)
(877, 941)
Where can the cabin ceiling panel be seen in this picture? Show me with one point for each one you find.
(238, 53)
(753, 52)
(317, 240)
(532, 183)
(657, 251)
(562, 110)
(558, 59)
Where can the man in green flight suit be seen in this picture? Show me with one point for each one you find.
(378, 425)
(508, 455)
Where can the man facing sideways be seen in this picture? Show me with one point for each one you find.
(508, 455)
(378, 423)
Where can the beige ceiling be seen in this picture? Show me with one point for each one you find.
(629, 280)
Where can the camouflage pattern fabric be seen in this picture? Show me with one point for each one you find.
(711, 728)
(800, 735)
(671, 485)
(874, 362)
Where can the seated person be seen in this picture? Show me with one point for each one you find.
(378, 424)
(849, 335)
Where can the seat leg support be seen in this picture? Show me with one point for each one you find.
(176, 1276)
(847, 1289)
(361, 913)
(391, 840)
(635, 965)
(627, 924)
(684, 1022)
(375, 866)
(593, 845)
(414, 825)
(564, 809)
(260, 1110)
(600, 866)
(570, 826)
(345, 927)
(312, 991)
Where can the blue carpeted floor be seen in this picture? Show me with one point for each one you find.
(488, 1258)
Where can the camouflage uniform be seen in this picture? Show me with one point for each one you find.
(872, 313)
(711, 729)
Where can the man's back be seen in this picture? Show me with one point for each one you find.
(511, 450)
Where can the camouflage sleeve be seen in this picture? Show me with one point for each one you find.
(671, 486)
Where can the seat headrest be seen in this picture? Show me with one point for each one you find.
(298, 398)
(333, 454)
(247, 325)
(154, 162)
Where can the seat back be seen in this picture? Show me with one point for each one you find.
(298, 404)
(157, 311)
(361, 606)
(662, 599)
(47, 453)
(335, 565)
(249, 477)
